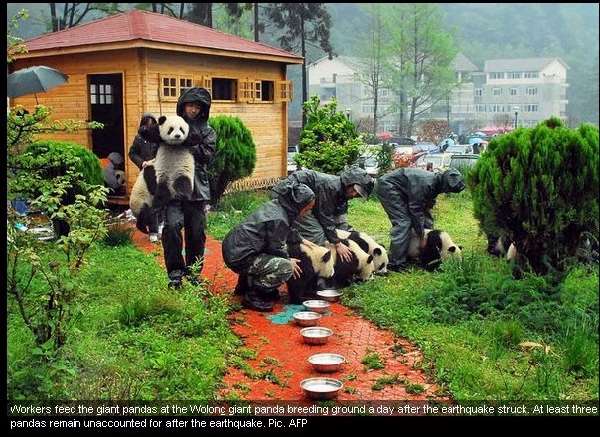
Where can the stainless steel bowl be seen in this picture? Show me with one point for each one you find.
(321, 388)
(330, 295)
(316, 335)
(307, 318)
(318, 306)
(326, 362)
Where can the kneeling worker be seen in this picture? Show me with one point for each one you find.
(407, 196)
(257, 249)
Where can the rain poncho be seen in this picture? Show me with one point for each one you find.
(145, 144)
(267, 229)
(407, 196)
(331, 201)
(201, 138)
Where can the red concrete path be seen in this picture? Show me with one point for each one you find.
(280, 351)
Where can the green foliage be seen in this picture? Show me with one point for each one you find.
(15, 45)
(372, 361)
(118, 234)
(58, 179)
(385, 158)
(55, 157)
(329, 141)
(235, 157)
(468, 319)
(174, 346)
(539, 187)
(232, 210)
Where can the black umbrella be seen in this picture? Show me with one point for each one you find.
(34, 80)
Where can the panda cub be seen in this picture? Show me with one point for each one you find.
(316, 262)
(360, 267)
(370, 246)
(174, 163)
(170, 175)
(439, 247)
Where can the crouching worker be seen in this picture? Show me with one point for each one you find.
(256, 249)
(408, 196)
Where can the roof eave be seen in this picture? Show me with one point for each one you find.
(141, 43)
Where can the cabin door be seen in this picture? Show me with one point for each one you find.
(106, 102)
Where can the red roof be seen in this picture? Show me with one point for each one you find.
(150, 26)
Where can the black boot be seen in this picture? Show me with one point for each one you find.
(255, 299)
(175, 279)
(272, 294)
(242, 285)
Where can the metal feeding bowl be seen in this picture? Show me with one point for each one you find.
(316, 335)
(318, 306)
(307, 318)
(330, 295)
(321, 388)
(327, 362)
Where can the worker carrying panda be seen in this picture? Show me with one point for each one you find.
(408, 195)
(331, 208)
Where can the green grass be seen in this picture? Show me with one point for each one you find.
(469, 318)
(232, 210)
(131, 337)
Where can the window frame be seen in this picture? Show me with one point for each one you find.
(235, 82)
(494, 92)
(178, 78)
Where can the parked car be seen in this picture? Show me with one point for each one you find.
(291, 164)
(462, 162)
(369, 163)
(439, 161)
(460, 149)
(427, 147)
(402, 141)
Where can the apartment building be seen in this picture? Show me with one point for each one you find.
(533, 88)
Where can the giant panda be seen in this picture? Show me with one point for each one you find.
(142, 197)
(502, 247)
(170, 175)
(174, 163)
(370, 246)
(439, 247)
(316, 262)
(360, 267)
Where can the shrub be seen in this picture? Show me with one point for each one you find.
(539, 187)
(385, 158)
(55, 157)
(118, 234)
(329, 142)
(235, 157)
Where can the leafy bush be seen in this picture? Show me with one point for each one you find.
(235, 157)
(385, 158)
(539, 188)
(55, 157)
(329, 141)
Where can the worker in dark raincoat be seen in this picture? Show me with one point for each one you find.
(331, 207)
(408, 196)
(257, 248)
(194, 107)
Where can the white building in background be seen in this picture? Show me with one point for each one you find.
(535, 88)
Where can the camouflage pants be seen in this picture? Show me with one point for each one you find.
(269, 271)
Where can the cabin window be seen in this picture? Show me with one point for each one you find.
(224, 89)
(171, 87)
(267, 91)
(101, 94)
(285, 90)
(185, 83)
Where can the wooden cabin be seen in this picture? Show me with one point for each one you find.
(124, 65)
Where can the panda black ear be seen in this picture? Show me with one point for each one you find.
(377, 251)
(326, 257)
(452, 249)
(162, 119)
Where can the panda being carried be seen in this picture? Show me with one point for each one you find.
(176, 181)
(169, 176)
